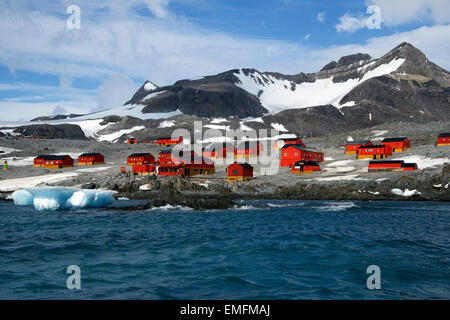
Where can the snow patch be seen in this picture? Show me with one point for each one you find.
(218, 120)
(277, 95)
(166, 124)
(279, 127)
(149, 86)
(406, 193)
(113, 137)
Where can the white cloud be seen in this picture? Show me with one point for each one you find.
(350, 23)
(58, 110)
(115, 91)
(163, 48)
(307, 36)
(321, 16)
(396, 12)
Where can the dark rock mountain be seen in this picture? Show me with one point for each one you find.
(401, 85)
(60, 131)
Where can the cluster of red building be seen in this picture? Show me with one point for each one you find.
(159, 141)
(169, 164)
(365, 149)
(63, 161)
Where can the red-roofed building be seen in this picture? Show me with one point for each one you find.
(293, 153)
(352, 146)
(169, 141)
(397, 144)
(240, 172)
(391, 165)
(443, 140)
(302, 167)
(284, 142)
(91, 159)
(140, 158)
(374, 152)
(53, 161)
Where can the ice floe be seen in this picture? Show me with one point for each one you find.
(57, 198)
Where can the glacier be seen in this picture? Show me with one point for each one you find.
(57, 198)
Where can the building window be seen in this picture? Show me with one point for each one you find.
(235, 173)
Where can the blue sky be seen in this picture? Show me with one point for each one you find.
(46, 68)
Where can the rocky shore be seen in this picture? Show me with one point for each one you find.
(179, 191)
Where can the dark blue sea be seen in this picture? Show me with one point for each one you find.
(265, 250)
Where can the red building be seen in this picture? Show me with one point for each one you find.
(352, 146)
(443, 140)
(132, 141)
(293, 153)
(218, 150)
(374, 152)
(283, 142)
(248, 149)
(397, 144)
(240, 172)
(91, 159)
(185, 163)
(166, 157)
(145, 169)
(140, 158)
(53, 161)
(39, 161)
(187, 169)
(392, 165)
(302, 167)
(169, 141)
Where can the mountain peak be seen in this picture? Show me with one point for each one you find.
(149, 86)
(346, 60)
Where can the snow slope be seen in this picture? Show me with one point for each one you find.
(276, 94)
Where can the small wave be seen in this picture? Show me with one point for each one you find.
(282, 205)
(245, 207)
(170, 207)
(337, 206)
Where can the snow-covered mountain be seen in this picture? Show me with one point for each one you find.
(250, 93)
(357, 91)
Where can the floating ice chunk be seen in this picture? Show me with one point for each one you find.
(22, 198)
(51, 199)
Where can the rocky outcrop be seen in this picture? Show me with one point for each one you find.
(60, 131)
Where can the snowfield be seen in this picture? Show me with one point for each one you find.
(113, 137)
(277, 95)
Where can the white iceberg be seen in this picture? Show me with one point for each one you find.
(56, 198)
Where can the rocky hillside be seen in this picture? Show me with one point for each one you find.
(403, 84)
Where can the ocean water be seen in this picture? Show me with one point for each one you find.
(264, 250)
